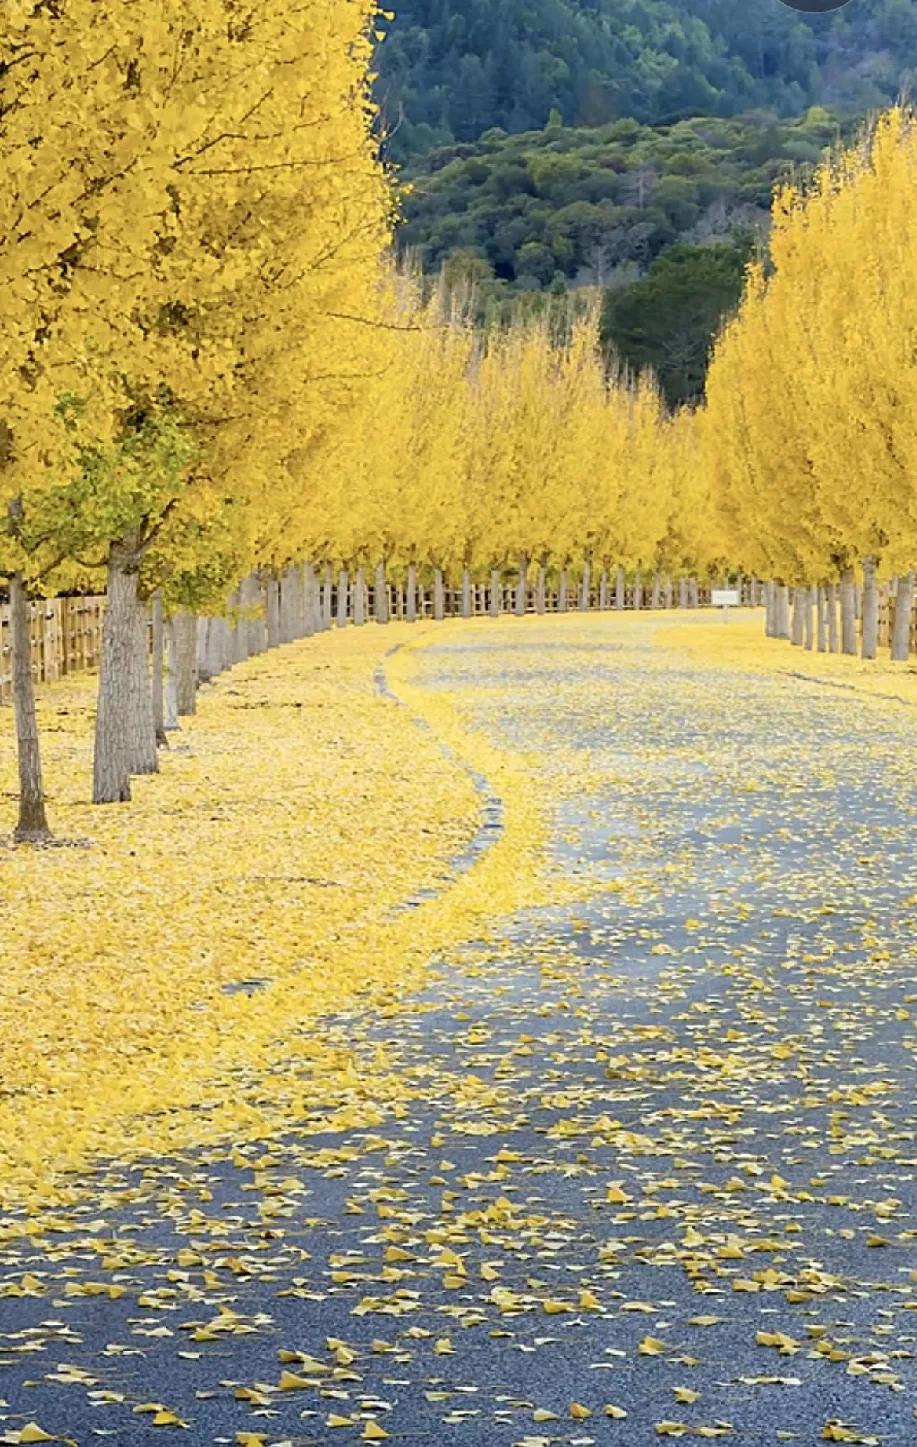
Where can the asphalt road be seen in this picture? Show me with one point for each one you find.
(651, 1153)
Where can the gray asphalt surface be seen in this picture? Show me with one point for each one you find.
(654, 1145)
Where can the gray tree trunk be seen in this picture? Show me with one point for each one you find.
(797, 631)
(782, 608)
(359, 596)
(904, 609)
(603, 590)
(274, 629)
(159, 719)
(439, 595)
(682, 592)
(585, 586)
(311, 610)
(380, 595)
(667, 592)
(494, 601)
(848, 612)
(252, 593)
(327, 601)
(809, 607)
(562, 591)
(184, 632)
(170, 681)
(343, 598)
(291, 607)
(119, 711)
(522, 587)
(693, 593)
(870, 646)
(821, 613)
(638, 589)
(32, 826)
(834, 642)
(770, 609)
(206, 629)
(619, 588)
(466, 593)
(410, 595)
(142, 757)
(541, 589)
(655, 595)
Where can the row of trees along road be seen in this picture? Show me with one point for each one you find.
(213, 376)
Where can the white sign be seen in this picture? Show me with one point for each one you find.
(725, 597)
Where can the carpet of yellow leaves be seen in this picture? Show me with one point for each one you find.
(741, 643)
(293, 816)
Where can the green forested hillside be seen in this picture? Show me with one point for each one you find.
(595, 206)
(452, 69)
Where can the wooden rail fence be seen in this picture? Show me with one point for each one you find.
(66, 637)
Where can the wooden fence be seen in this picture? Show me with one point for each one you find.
(66, 636)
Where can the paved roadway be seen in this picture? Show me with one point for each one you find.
(659, 1155)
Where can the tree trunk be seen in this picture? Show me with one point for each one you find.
(125, 738)
(619, 588)
(562, 591)
(782, 610)
(668, 594)
(466, 593)
(253, 596)
(770, 610)
(206, 628)
(603, 591)
(796, 633)
(359, 597)
(310, 609)
(381, 595)
(211, 648)
(32, 826)
(522, 587)
(327, 601)
(809, 607)
(184, 631)
(693, 593)
(901, 628)
(541, 590)
(848, 612)
(870, 609)
(585, 586)
(410, 598)
(834, 643)
(439, 595)
(496, 587)
(343, 598)
(159, 720)
(682, 592)
(291, 604)
(821, 611)
(170, 682)
(638, 589)
(655, 594)
(272, 602)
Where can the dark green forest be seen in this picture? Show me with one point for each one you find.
(626, 148)
(452, 69)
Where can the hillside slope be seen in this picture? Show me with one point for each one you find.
(451, 70)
